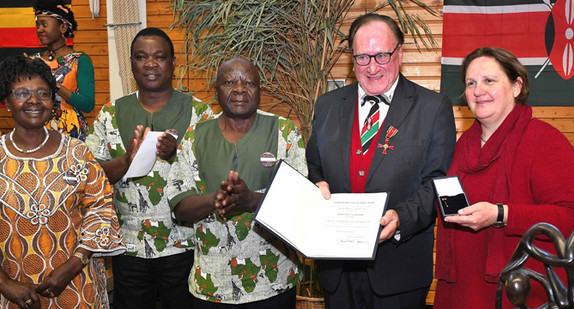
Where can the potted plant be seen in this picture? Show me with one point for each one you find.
(294, 44)
(309, 292)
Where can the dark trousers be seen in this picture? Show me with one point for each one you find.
(354, 292)
(138, 282)
(284, 300)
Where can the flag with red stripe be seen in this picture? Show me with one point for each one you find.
(540, 34)
(18, 28)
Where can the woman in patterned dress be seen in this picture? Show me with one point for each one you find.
(56, 207)
(73, 69)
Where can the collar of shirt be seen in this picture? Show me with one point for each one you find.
(383, 108)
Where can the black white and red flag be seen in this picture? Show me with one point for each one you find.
(539, 32)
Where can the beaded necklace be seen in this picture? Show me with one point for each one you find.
(31, 150)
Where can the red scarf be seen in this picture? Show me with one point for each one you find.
(469, 159)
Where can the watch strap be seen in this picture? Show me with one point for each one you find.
(500, 218)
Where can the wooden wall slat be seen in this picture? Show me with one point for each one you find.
(422, 66)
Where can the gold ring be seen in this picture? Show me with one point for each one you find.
(29, 301)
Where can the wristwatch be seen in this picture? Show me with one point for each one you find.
(84, 259)
(500, 218)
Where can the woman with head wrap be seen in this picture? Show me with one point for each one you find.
(72, 69)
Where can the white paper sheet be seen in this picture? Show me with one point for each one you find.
(145, 157)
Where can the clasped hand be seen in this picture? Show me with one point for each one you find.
(234, 196)
(22, 294)
(25, 295)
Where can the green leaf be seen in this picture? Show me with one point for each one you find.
(294, 44)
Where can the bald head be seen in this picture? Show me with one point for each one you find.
(236, 63)
(237, 88)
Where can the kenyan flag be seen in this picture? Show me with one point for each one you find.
(539, 32)
(18, 28)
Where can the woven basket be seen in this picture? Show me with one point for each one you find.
(310, 302)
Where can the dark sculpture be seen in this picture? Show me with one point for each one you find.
(516, 279)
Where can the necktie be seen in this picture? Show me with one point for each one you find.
(371, 126)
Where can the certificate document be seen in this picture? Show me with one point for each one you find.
(343, 227)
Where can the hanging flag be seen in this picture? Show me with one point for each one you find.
(540, 33)
(18, 28)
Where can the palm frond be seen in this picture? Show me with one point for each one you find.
(294, 44)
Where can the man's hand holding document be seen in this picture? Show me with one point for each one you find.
(145, 157)
(344, 227)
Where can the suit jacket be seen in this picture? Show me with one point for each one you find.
(422, 149)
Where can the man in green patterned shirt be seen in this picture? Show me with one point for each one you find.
(159, 252)
(217, 182)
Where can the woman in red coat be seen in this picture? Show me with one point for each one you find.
(516, 171)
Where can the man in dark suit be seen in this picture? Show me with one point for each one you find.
(396, 142)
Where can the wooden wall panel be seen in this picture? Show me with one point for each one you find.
(421, 66)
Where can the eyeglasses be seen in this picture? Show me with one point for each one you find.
(24, 94)
(380, 58)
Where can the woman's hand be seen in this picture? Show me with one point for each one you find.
(22, 294)
(59, 278)
(476, 216)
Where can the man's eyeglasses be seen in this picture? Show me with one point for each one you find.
(24, 94)
(380, 58)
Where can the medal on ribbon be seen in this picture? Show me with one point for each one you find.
(392, 131)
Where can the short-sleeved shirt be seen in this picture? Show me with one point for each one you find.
(237, 261)
(143, 209)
